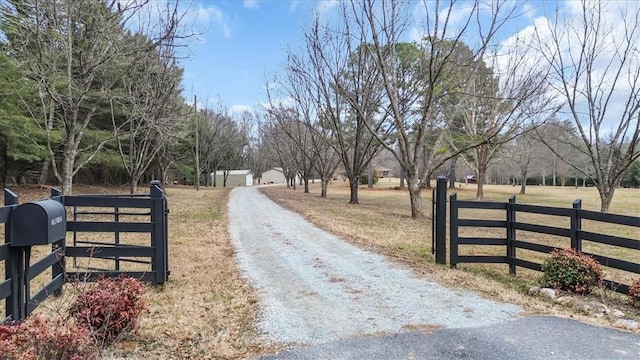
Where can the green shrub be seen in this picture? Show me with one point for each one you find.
(634, 292)
(37, 338)
(568, 269)
(110, 308)
(364, 179)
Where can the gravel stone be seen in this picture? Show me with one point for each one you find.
(316, 288)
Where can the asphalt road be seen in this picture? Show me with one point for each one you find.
(331, 300)
(538, 337)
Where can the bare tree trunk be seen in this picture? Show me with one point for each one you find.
(44, 174)
(133, 184)
(606, 196)
(523, 186)
(306, 185)
(370, 173)
(67, 175)
(452, 172)
(325, 185)
(415, 188)
(482, 174)
(401, 178)
(353, 184)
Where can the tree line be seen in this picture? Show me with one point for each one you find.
(91, 93)
(449, 86)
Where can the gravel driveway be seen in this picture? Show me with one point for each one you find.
(316, 288)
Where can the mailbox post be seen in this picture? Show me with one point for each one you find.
(36, 223)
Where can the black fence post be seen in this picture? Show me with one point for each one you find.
(511, 235)
(165, 239)
(453, 230)
(433, 221)
(441, 220)
(157, 238)
(576, 226)
(13, 304)
(58, 269)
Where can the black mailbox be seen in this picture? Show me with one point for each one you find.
(38, 223)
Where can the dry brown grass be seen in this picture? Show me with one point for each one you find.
(206, 310)
(382, 222)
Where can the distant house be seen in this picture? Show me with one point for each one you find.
(273, 176)
(383, 172)
(234, 178)
(470, 179)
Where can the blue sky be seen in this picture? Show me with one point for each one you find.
(243, 42)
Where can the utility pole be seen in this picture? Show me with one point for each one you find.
(197, 152)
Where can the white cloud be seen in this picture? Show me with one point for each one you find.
(250, 4)
(604, 64)
(276, 103)
(293, 6)
(241, 108)
(207, 18)
(324, 6)
(273, 85)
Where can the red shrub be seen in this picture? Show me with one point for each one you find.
(568, 269)
(110, 308)
(37, 338)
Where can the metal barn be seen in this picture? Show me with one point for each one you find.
(234, 178)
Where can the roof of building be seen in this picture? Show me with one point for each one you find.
(234, 172)
(278, 169)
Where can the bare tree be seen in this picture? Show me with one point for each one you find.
(441, 68)
(502, 103)
(152, 103)
(349, 85)
(595, 63)
(280, 149)
(221, 143)
(313, 138)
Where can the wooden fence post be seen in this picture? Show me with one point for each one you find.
(13, 307)
(441, 220)
(158, 264)
(58, 269)
(453, 230)
(576, 226)
(511, 235)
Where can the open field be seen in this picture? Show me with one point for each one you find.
(382, 222)
(206, 310)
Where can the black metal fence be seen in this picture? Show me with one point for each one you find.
(104, 216)
(513, 240)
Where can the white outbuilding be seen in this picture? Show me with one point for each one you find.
(234, 178)
(273, 176)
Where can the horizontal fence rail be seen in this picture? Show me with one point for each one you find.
(513, 240)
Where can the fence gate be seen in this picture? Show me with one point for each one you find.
(618, 253)
(111, 235)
